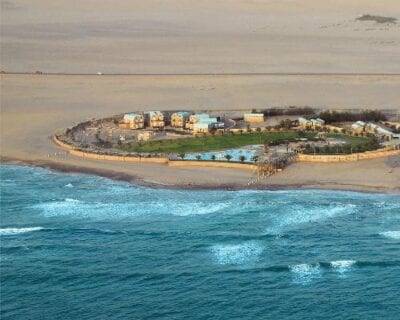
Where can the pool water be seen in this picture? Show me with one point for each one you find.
(248, 152)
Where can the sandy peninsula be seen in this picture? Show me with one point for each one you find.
(35, 107)
(209, 55)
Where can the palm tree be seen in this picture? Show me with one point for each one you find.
(242, 158)
(228, 157)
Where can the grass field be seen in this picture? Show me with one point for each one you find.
(219, 142)
(353, 144)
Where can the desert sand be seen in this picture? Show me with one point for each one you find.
(192, 36)
(246, 40)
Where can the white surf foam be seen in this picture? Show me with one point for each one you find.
(342, 266)
(69, 185)
(237, 254)
(300, 216)
(391, 234)
(190, 209)
(13, 231)
(304, 273)
(71, 200)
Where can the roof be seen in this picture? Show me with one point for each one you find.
(154, 113)
(201, 125)
(201, 116)
(254, 114)
(303, 120)
(359, 123)
(208, 120)
(131, 116)
(182, 113)
(318, 120)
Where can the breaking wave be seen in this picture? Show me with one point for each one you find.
(81, 209)
(300, 215)
(304, 273)
(14, 231)
(391, 234)
(342, 266)
(237, 254)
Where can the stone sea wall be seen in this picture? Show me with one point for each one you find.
(181, 163)
(348, 157)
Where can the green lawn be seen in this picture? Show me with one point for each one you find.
(208, 143)
(350, 140)
(353, 144)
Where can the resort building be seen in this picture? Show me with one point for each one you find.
(196, 118)
(393, 124)
(147, 135)
(179, 119)
(335, 129)
(203, 123)
(134, 120)
(201, 127)
(358, 126)
(378, 130)
(304, 123)
(311, 124)
(317, 123)
(254, 117)
(155, 119)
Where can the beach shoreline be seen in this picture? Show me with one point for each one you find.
(149, 183)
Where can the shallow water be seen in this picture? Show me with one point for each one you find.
(85, 247)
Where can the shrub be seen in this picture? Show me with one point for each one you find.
(365, 115)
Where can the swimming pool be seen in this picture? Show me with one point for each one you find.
(248, 152)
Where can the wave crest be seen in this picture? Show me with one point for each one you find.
(391, 234)
(238, 254)
(13, 231)
(342, 266)
(304, 273)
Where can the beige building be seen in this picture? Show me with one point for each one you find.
(134, 121)
(201, 127)
(334, 128)
(254, 117)
(312, 123)
(197, 118)
(179, 119)
(358, 127)
(147, 135)
(155, 119)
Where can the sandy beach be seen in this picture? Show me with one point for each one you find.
(242, 39)
(35, 107)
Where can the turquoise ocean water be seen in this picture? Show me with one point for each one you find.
(86, 247)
